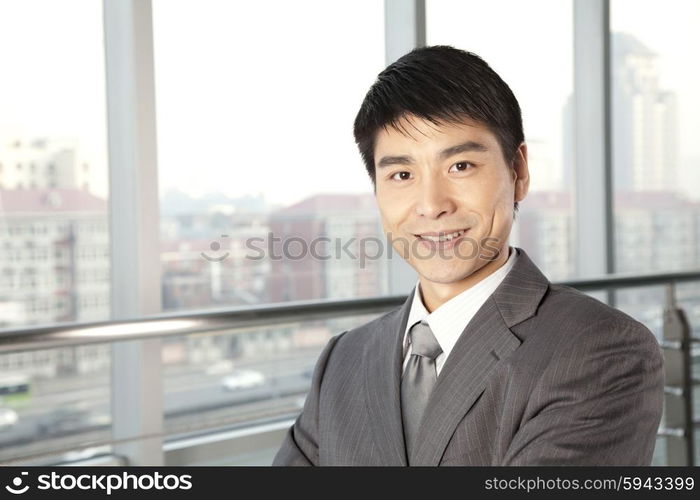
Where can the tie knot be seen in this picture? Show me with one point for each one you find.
(423, 341)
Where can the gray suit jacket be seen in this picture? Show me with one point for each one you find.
(542, 375)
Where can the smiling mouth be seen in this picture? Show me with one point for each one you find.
(442, 236)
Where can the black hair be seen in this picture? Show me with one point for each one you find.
(440, 84)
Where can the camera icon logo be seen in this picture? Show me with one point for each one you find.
(17, 483)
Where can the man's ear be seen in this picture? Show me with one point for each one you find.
(521, 173)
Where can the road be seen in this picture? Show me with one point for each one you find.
(63, 412)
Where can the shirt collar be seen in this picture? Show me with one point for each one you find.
(450, 319)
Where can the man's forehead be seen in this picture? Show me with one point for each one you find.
(412, 130)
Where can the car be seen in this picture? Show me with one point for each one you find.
(243, 379)
(8, 418)
(70, 418)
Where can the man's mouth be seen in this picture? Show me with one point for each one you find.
(442, 235)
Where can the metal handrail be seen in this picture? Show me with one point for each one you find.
(241, 317)
(631, 280)
(191, 322)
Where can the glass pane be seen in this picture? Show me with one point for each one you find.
(659, 456)
(216, 380)
(54, 399)
(656, 115)
(256, 153)
(544, 225)
(54, 238)
(54, 235)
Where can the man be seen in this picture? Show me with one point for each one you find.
(487, 362)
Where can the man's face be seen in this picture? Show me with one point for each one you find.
(442, 179)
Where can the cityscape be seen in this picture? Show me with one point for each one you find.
(54, 237)
(54, 231)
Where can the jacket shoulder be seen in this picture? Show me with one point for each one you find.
(578, 309)
(571, 320)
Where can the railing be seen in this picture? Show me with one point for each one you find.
(178, 324)
(677, 345)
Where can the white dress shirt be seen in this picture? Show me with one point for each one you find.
(450, 319)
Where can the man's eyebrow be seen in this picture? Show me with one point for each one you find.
(465, 147)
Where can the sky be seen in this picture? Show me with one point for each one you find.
(260, 96)
(669, 28)
(530, 44)
(264, 99)
(52, 83)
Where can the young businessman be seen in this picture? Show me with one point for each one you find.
(487, 362)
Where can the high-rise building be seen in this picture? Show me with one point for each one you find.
(54, 256)
(545, 229)
(341, 263)
(54, 267)
(43, 163)
(206, 262)
(644, 118)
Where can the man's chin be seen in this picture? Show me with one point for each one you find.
(446, 276)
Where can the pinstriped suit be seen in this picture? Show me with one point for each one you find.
(542, 375)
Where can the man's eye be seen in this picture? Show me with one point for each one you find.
(462, 166)
(402, 176)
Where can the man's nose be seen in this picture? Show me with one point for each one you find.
(434, 199)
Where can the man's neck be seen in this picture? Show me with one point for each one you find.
(436, 294)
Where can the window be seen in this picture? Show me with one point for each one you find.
(656, 154)
(547, 109)
(56, 124)
(270, 107)
(51, 121)
(656, 113)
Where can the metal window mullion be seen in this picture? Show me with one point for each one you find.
(136, 386)
(594, 220)
(404, 30)
(404, 27)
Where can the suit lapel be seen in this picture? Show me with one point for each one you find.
(481, 347)
(383, 357)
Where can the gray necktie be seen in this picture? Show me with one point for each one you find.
(418, 380)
